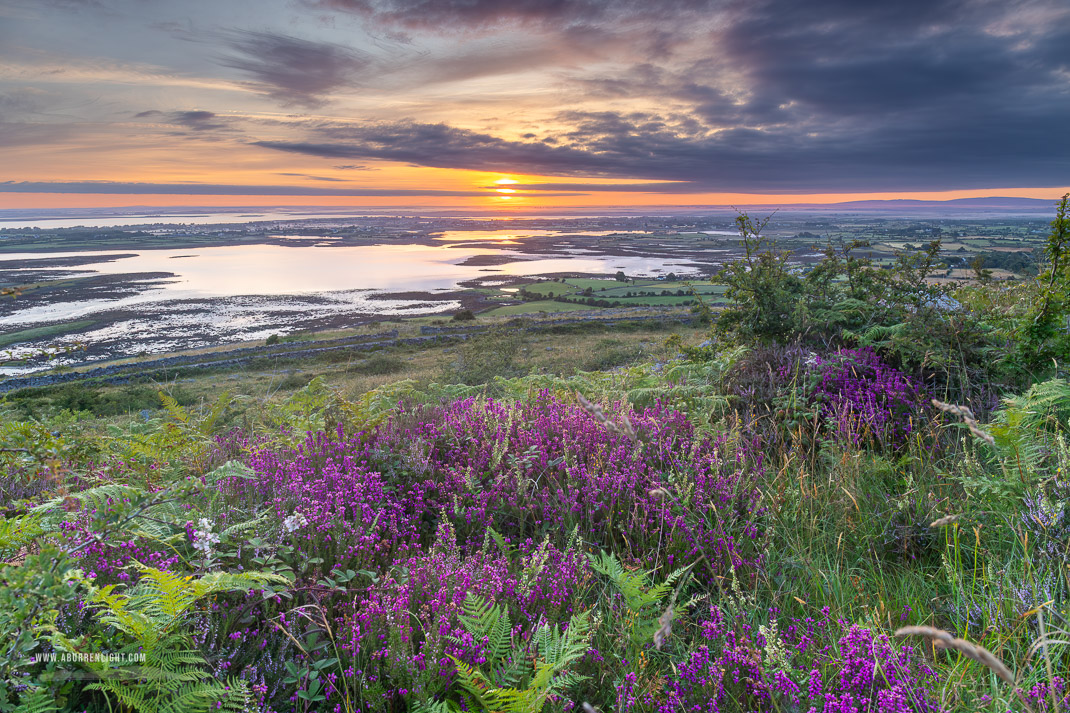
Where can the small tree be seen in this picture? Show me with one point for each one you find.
(763, 288)
(1044, 333)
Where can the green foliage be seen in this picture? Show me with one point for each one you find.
(1045, 406)
(32, 593)
(150, 619)
(17, 532)
(763, 287)
(373, 407)
(85, 398)
(486, 356)
(130, 510)
(645, 602)
(380, 365)
(847, 300)
(1044, 331)
(518, 679)
(1025, 431)
(181, 438)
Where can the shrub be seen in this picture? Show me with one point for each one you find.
(486, 356)
(380, 364)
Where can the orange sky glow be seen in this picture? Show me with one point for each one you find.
(491, 107)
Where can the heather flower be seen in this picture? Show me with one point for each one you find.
(862, 399)
(737, 668)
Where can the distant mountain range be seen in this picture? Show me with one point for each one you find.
(994, 202)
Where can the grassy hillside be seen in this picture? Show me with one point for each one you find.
(858, 505)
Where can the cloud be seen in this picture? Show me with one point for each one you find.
(669, 187)
(764, 95)
(1024, 150)
(19, 134)
(197, 120)
(198, 123)
(206, 189)
(686, 96)
(20, 101)
(311, 177)
(437, 145)
(445, 14)
(294, 71)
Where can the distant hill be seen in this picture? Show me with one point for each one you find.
(994, 202)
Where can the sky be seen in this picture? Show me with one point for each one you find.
(503, 105)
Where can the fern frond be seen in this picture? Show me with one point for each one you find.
(97, 498)
(174, 409)
(206, 427)
(507, 549)
(37, 702)
(16, 532)
(491, 622)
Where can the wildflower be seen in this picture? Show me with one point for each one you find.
(294, 522)
(204, 538)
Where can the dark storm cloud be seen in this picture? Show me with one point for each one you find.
(963, 154)
(830, 95)
(292, 70)
(443, 14)
(437, 145)
(670, 187)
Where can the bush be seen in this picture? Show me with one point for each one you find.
(94, 399)
(380, 365)
(486, 356)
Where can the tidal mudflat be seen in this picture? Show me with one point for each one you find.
(120, 302)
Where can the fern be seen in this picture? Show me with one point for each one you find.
(879, 336)
(1046, 406)
(37, 702)
(172, 677)
(644, 600)
(17, 532)
(490, 624)
(507, 683)
(157, 516)
(98, 498)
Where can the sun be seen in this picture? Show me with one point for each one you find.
(503, 190)
(502, 184)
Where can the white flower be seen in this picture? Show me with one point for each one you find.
(294, 522)
(204, 538)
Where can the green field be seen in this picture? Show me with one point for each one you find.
(533, 307)
(51, 330)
